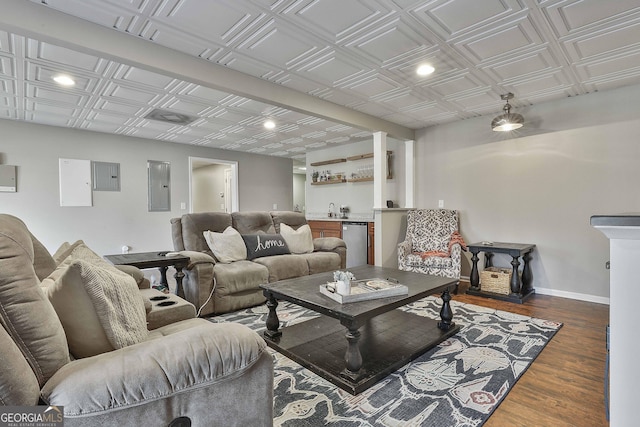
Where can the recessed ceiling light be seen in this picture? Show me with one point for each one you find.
(269, 124)
(64, 80)
(425, 70)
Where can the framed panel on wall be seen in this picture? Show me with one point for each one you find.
(75, 182)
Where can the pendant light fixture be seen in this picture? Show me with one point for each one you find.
(507, 121)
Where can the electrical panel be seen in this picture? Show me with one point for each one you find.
(106, 176)
(159, 186)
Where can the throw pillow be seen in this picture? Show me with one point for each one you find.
(58, 254)
(80, 251)
(299, 241)
(260, 245)
(227, 246)
(65, 250)
(66, 254)
(43, 262)
(100, 308)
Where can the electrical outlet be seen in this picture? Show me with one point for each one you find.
(183, 205)
(441, 204)
(275, 206)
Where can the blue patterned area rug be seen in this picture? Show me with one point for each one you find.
(458, 383)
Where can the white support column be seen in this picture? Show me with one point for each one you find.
(623, 232)
(379, 169)
(409, 174)
(377, 241)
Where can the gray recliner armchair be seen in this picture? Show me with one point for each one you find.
(191, 372)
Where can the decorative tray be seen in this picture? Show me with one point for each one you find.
(364, 290)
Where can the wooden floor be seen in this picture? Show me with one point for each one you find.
(565, 385)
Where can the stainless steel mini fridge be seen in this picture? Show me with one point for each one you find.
(355, 235)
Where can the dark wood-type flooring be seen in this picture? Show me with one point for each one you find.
(565, 385)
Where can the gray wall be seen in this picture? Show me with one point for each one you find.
(119, 218)
(299, 181)
(542, 188)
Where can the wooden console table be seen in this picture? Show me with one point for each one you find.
(521, 287)
(160, 260)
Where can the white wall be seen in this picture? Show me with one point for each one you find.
(543, 188)
(119, 218)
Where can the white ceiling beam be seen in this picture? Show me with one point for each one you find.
(46, 24)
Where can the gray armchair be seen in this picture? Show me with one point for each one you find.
(210, 374)
(431, 245)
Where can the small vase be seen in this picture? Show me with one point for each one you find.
(343, 287)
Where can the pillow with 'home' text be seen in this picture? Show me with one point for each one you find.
(260, 245)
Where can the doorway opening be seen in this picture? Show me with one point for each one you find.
(213, 185)
(299, 184)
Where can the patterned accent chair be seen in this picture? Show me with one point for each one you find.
(426, 245)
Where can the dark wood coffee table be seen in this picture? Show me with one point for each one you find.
(380, 338)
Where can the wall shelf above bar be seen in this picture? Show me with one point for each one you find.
(360, 157)
(328, 162)
(348, 159)
(332, 181)
(364, 156)
(351, 159)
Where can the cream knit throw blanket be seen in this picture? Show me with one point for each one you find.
(117, 302)
(115, 297)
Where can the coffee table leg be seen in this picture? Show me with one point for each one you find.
(273, 323)
(352, 357)
(446, 314)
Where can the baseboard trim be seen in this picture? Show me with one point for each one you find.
(573, 295)
(562, 294)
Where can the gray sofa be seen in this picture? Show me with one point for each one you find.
(212, 374)
(215, 287)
